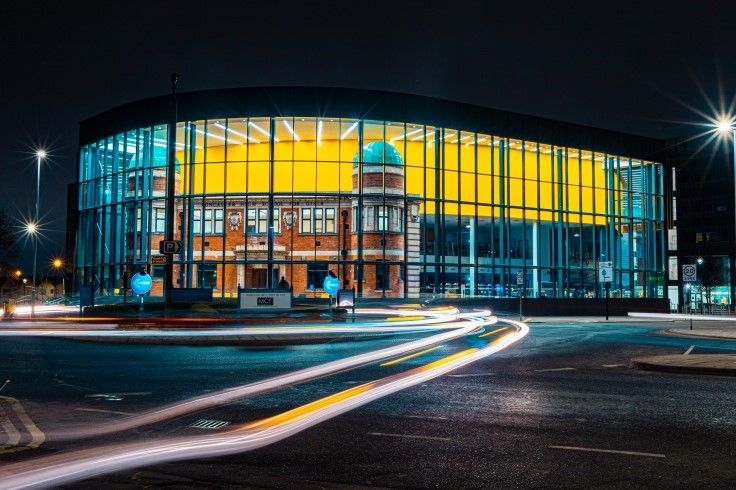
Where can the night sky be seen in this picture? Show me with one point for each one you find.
(638, 67)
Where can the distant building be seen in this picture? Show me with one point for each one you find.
(399, 195)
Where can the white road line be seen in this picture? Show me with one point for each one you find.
(470, 375)
(689, 350)
(609, 451)
(409, 436)
(426, 417)
(612, 365)
(554, 370)
(102, 411)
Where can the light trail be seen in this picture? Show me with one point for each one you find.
(64, 468)
(460, 324)
(422, 320)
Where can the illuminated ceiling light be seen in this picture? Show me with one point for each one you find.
(349, 130)
(319, 132)
(291, 130)
(210, 135)
(258, 128)
(407, 134)
(237, 133)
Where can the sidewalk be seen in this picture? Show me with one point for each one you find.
(703, 332)
(710, 364)
(587, 319)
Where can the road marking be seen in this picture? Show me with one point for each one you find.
(554, 370)
(689, 350)
(470, 375)
(427, 417)
(102, 411)
(611, 365)
(608, 451)
(210, 424)
(11, 431)
(37, 437)
(410, 356)
(409, 436)
(492, 332)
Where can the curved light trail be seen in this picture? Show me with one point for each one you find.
(67, 467)
(457, 325)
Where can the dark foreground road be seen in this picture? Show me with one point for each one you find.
(561, 410)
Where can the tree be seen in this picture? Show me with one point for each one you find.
(8, 244)
(712, 275)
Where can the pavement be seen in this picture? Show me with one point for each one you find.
(713, 364)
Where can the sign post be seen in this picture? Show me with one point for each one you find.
(331, 285)
(520, 284)
(689, 274)
(141, 283)
(605, 275)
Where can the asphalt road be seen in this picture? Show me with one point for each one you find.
(562, 409)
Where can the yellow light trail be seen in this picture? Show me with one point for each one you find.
(492, 332)
(410, 356)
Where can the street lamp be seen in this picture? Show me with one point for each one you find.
(32, 227)
(57, 264)
(726, 127)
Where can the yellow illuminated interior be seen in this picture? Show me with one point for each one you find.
(307, 166)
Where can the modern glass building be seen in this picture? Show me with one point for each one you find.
(400, 196)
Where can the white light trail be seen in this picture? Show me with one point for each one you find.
(63, 468)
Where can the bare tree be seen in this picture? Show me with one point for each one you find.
(8, 244)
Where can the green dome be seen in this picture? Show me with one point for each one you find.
(377, 152)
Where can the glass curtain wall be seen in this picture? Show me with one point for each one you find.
(394, 209)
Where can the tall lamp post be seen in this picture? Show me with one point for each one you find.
(57, 263)
(726, 127)
(33, 228)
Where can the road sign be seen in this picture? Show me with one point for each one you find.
(140, 283)
(169, 246)
(519, 278)
(605, 271)
(689, 273)
(331, 285)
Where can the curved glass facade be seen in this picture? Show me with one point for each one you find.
(395, 209)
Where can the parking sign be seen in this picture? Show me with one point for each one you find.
(605, 271)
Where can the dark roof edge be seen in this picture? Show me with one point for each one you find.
(366, 104)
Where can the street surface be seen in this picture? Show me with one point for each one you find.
(559, 408)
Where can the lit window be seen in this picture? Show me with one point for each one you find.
(262, 220)
(277, 220)
(208, 221)
(197, 221)
(219, 220)
(382, 218)
(251, 225)
(159, 220)
(318, 223)
(306, 222)
(330, 220)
